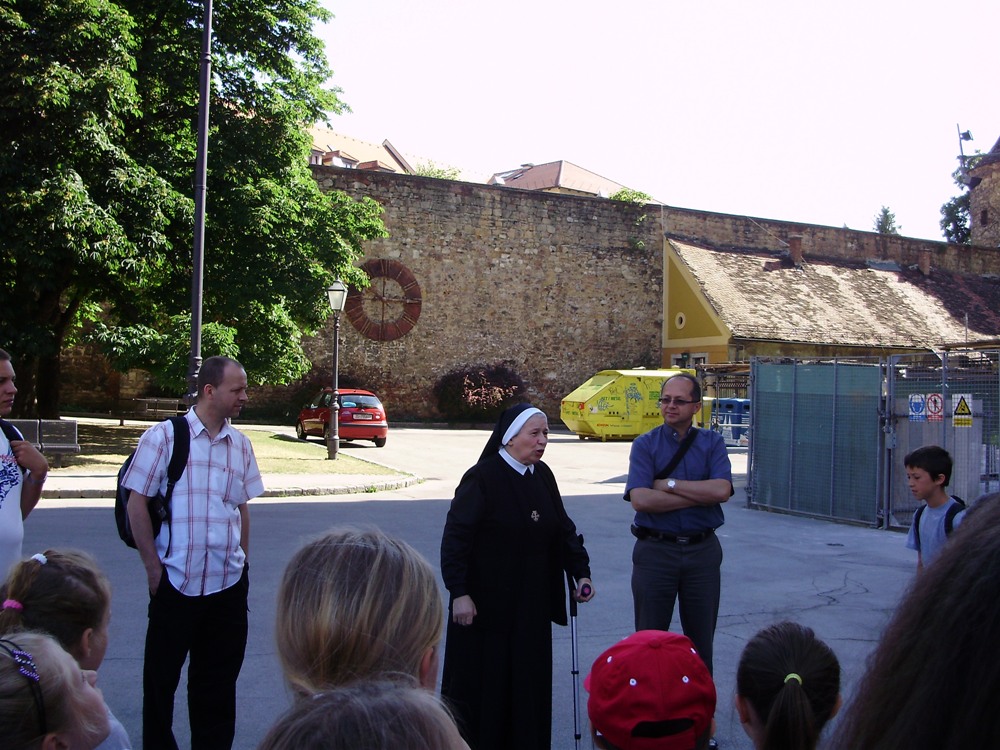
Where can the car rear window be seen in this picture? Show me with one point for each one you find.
(361, 402)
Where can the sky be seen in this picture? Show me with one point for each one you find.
(816, 112)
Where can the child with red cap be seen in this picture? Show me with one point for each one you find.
(651, 691)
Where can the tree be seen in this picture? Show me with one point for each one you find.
(628, 195)
(955, 213)
(885, 222)
(430, 169)
(79, 212)
(274, 241)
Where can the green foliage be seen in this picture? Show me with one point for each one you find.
(955, 222)
(430, 169)
(98, 107)
(164, 354)
(635, 197)
(478, 392)
(885, 222)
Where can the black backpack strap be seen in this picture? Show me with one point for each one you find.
(949, 517)
(178, 461)
(12, 433)
(916, 524)
(10, 430)
(179, 455)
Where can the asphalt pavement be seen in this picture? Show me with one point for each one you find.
(843, 581)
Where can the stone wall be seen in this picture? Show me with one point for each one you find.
(728, 232)
(558, 286)
(984, 203)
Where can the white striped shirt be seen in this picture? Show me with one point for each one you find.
(221, 474)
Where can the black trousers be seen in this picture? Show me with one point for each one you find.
(665, 572)
(213, 631)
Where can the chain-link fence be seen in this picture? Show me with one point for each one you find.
(828, 437)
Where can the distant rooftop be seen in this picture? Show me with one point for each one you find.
(557, 177)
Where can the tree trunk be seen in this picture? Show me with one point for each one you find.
(47, 387)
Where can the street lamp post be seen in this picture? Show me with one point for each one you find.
(337, 293)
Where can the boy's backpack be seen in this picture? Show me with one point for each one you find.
(12, 433)
(949, 518)
(159, 506)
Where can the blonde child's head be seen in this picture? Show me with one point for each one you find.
(46, 700)
(356, 604)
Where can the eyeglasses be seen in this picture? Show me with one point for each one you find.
(679, 401)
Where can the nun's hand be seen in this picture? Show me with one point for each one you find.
(463, 610)
(584, 594)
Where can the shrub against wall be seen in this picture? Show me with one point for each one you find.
(478, 393)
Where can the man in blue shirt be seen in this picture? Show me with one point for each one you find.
(677, 554)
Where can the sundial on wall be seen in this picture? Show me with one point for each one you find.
(390, 307)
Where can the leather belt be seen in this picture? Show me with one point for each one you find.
(641, 532)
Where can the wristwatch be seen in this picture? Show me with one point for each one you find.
(671, 484)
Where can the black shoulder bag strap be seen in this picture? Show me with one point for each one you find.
(685, 444)
(681, 450)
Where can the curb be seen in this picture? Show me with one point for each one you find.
(313, 491)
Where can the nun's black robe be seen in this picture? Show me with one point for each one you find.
(507, 542)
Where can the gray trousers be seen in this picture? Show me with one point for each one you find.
(664, 572)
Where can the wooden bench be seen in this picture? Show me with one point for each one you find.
(159, 408)
(53, 437)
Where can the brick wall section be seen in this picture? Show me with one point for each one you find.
(560, 286)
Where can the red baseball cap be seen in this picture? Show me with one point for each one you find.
(651, 691)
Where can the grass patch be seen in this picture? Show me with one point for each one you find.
(105, 446)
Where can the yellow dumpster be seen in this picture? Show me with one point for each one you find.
(616, 404)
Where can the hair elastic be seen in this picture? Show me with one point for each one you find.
(26, 666)
(12, 604)
(793, 676)
(40, 558)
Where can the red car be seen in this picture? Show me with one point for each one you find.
(362, 416)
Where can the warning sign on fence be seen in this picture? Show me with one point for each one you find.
(962, 410)
(918, 412)
(934, 406)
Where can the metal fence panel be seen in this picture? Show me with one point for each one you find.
(951, 400)
(815, 437)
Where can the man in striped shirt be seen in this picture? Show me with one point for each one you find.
(196, 567)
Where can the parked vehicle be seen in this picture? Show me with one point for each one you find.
(362, 416)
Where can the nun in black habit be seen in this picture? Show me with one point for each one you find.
(506, 547)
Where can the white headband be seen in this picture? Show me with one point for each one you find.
(518, 423)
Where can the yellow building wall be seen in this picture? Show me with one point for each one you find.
(690, 324)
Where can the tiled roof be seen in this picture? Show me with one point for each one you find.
(762, 296)
(382, 157)
(554, 175)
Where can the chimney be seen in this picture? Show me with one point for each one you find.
(795, 248)
(924, 263)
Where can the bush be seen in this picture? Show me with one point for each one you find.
(478, 393)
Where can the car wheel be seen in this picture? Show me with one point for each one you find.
(379, 442)
(300, 431)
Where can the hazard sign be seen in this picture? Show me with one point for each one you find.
(961, 405)
(934, 405)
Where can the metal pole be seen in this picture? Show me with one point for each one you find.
(333, 433)
(200, 189)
